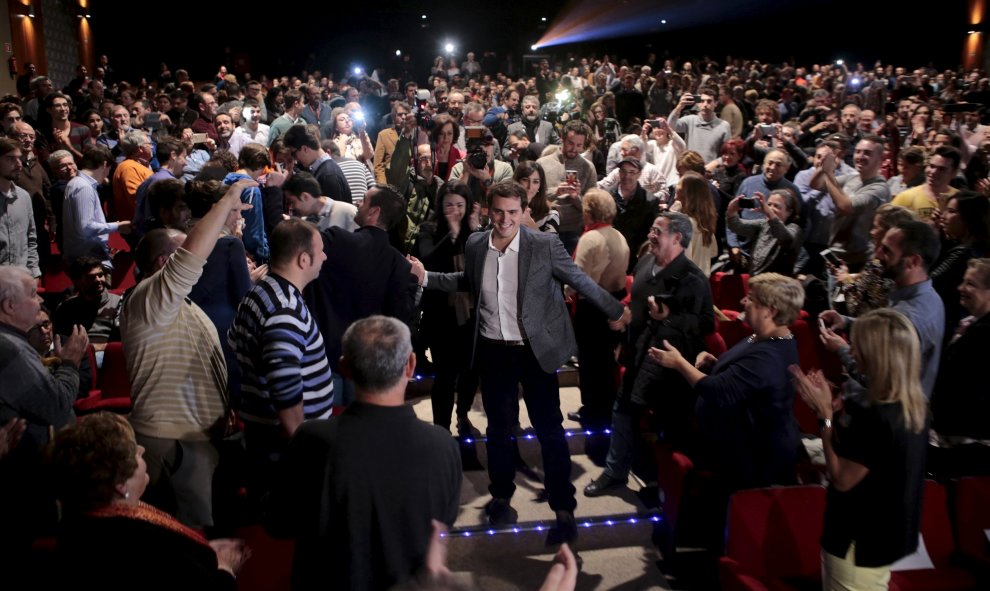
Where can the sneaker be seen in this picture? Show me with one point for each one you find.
(565, 531)
(501, 513)
(602, 484)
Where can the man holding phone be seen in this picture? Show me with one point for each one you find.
(705, 132)
(567, 194)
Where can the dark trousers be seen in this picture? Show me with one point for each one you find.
(502, 369)
(597, 371)
(453, 374)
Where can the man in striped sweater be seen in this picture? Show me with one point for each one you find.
(285, 375)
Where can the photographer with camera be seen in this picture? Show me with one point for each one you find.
(537, 130)
(479, 168)
(395, 149)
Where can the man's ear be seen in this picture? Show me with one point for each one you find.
(411, 365)
(345, 369)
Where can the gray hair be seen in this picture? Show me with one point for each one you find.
(132, 142)
(679, 223)
(529, 98)
(376, 350)
(636, 143)
(12, 283)
(474, 108)
(57, 155)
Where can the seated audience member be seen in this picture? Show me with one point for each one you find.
(100, 474)
(92, 306)
(745, 403)
(960, 404)
(671, 303)
(302, 196)
(361, 509)
(776, 238)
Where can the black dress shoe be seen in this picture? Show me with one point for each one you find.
(602, 484)
(500, 512)
(565, 531)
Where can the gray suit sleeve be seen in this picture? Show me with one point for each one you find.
(566, 271)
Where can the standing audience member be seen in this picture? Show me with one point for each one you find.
(354, 505)
(84, 226)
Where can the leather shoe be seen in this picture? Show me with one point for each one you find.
(465, 429)
(602, 484)
(500, 512)
(565, 531)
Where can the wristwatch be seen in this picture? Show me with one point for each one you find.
(824, 424)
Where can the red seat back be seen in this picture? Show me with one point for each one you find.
(113, 381)
(973, 516)
(774, 532)
(728, 290)
(936, 529)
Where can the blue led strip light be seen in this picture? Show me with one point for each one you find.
(532, 436)
(542, 526)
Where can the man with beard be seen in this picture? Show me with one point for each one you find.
(18, 237)
(537, 130)
(856, 197)
(225, 129)
(205, 105)
(93, 306)
(906, 254)
(565, 189)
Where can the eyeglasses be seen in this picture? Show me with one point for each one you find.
(657, 230)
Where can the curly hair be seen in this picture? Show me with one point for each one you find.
(90, 459)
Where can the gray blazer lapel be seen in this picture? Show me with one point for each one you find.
(477, 264)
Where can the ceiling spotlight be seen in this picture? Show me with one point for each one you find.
(544, 19)
(533, 47)
(357, 70)
(423, 17)
(663, 21)
(398, 53)
(449, 48)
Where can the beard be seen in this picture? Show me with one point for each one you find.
(894, 271)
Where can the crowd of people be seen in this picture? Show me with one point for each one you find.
(301, 242)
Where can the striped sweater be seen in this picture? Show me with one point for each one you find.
(176, 367)
(281, 354)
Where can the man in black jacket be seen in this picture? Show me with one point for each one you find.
(671, 301)
(303, 142)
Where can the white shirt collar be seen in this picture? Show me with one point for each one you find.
(513, 246)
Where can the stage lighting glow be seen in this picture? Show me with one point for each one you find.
(533, 47)
(544, 19)
(449, 48)
(561, 96)
(357, 70)
(398, 53)
(663, 21)
(839, 62)
(423, 17)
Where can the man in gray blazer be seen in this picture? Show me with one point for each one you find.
(522, 336)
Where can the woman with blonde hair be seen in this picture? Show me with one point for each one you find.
(694, 199)
(874, 453)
